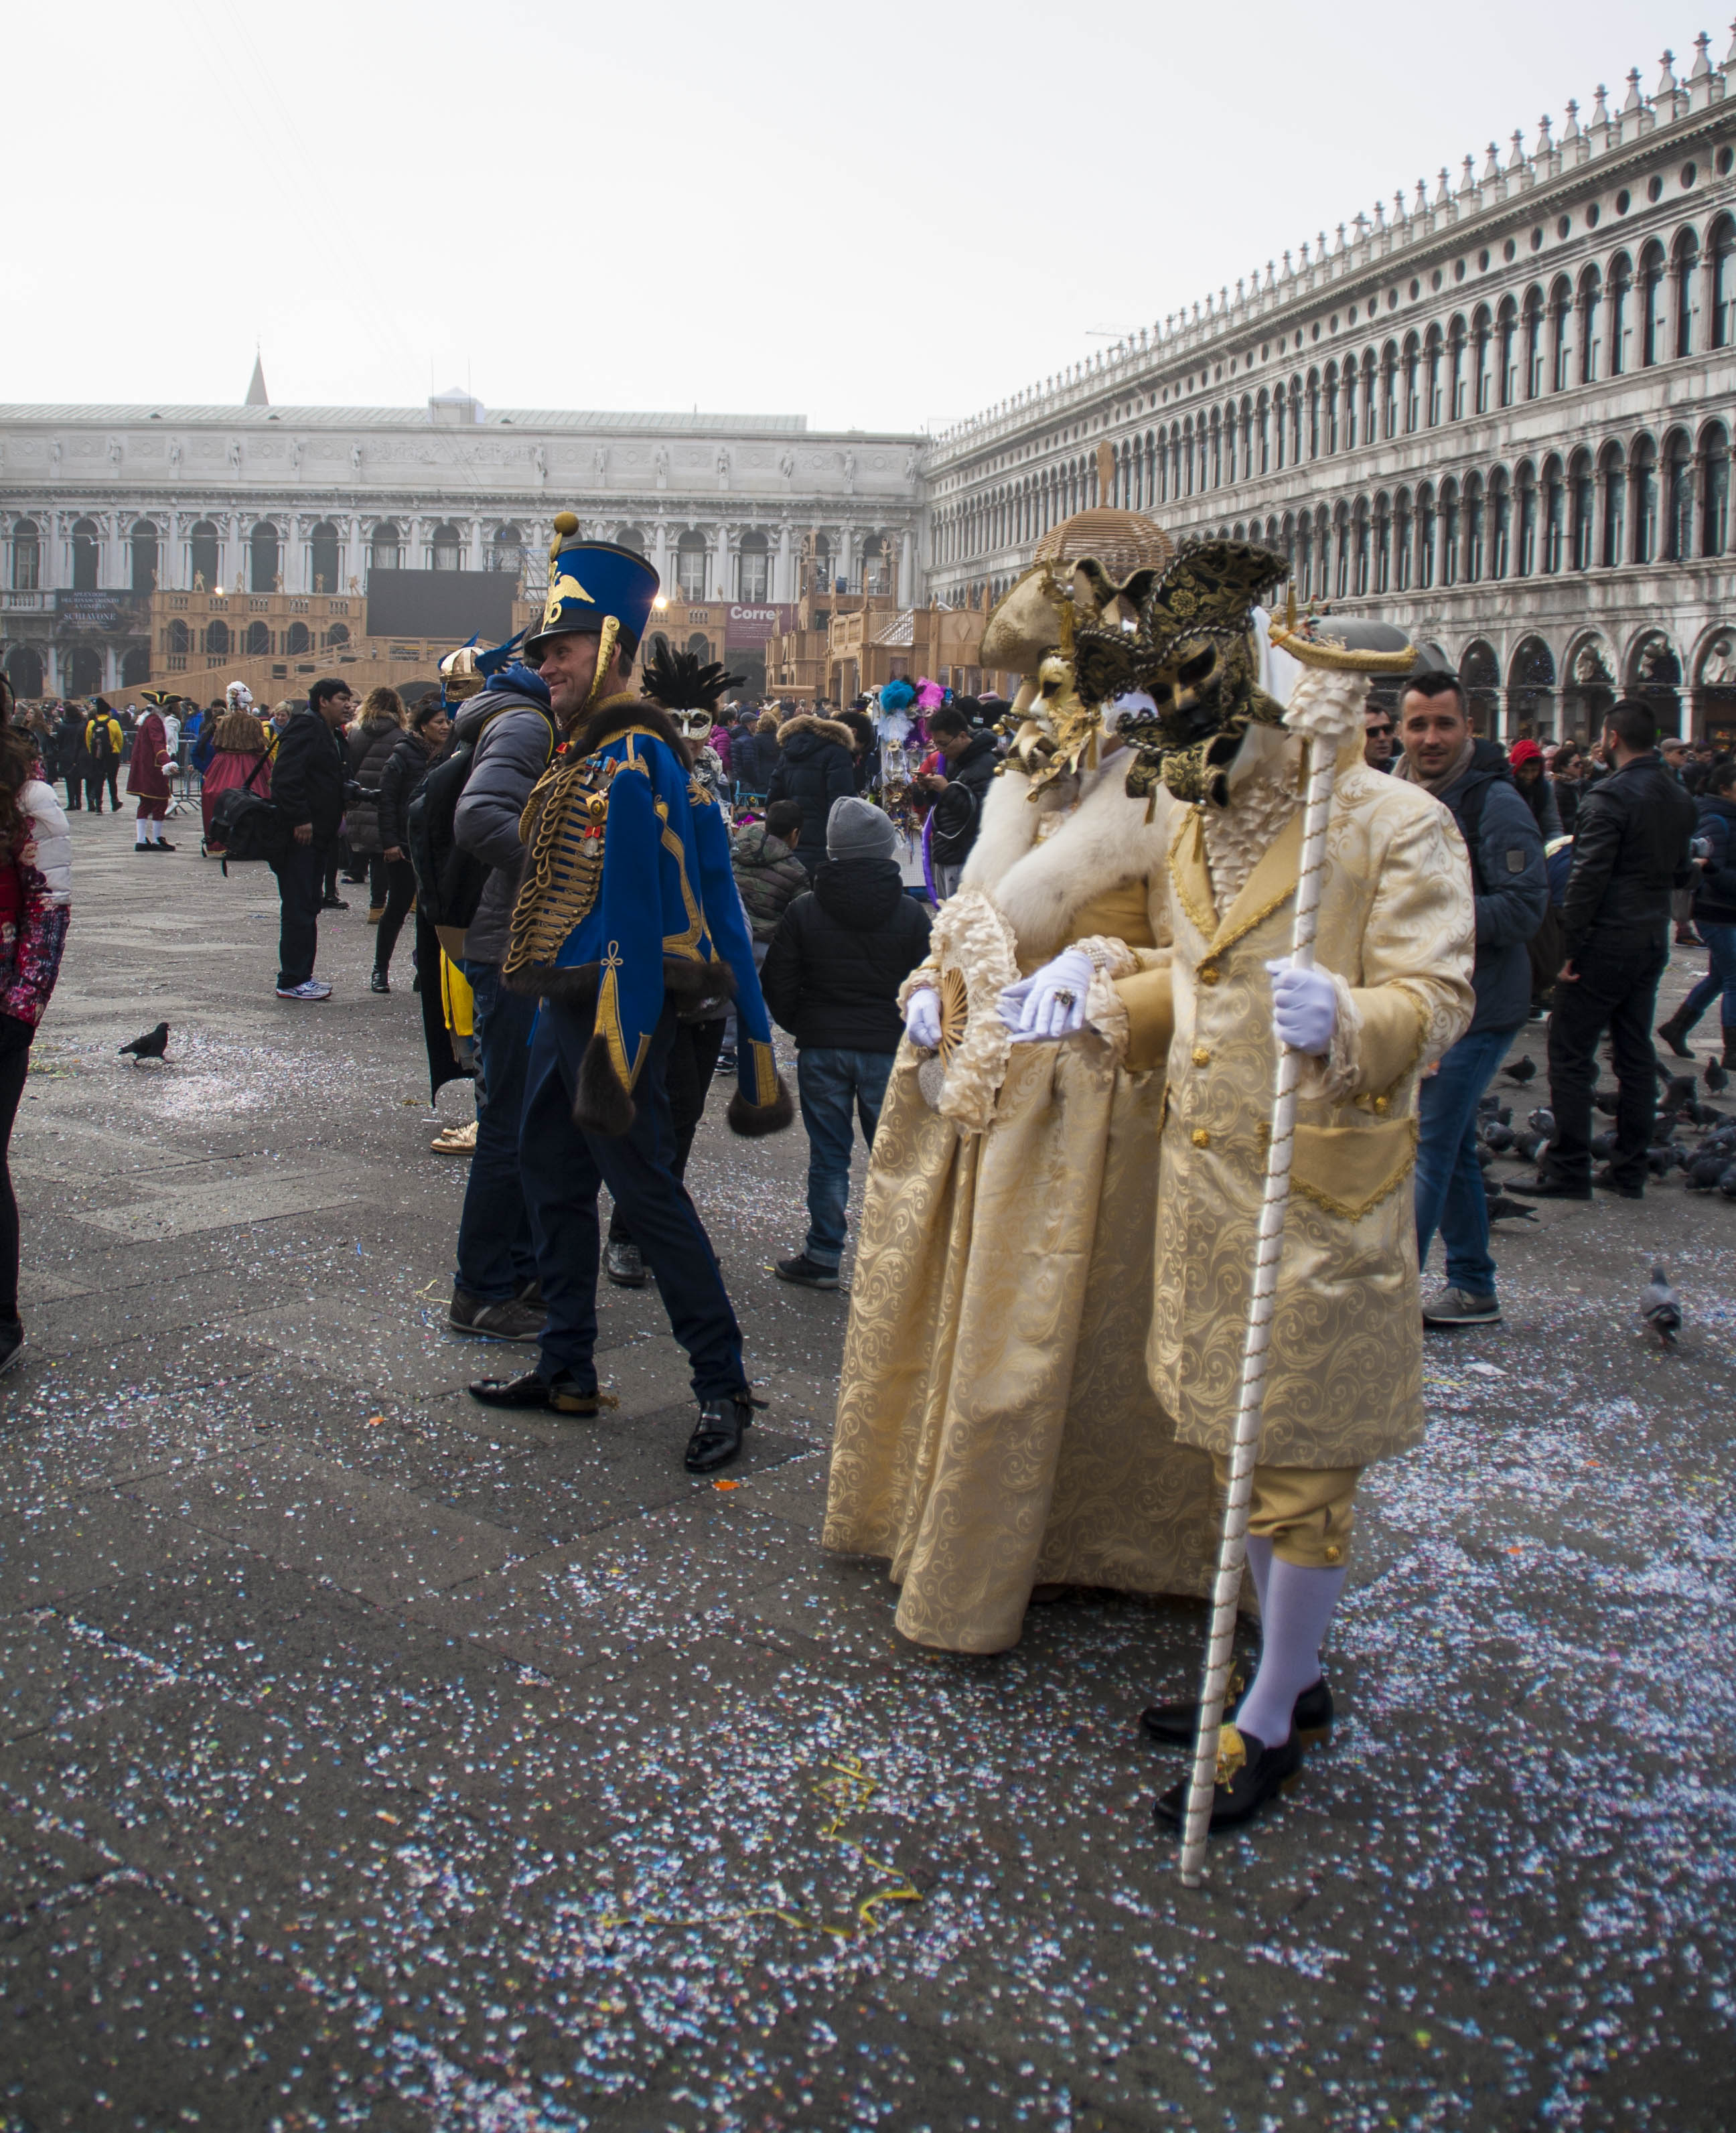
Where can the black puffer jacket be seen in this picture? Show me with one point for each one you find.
(1630, 850)
(1715, 892)
(399, 783)
(370, 748)
(840, 953)
(816, 770)
(958, 810)
(753, 759)
(307, 776)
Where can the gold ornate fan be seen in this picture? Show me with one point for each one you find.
(955, 1012)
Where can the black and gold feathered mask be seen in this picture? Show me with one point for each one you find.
(1193, 653)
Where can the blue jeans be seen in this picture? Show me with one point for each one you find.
(495, 1256)
(831, 1085)
(1720, 977)
(1449, 1194)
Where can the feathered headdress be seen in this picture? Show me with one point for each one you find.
(238, 696)
(682, 681)
(897, 696)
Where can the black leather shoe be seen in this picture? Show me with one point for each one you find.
(1606, 1181)
(1175, 1725)
(562, 1395)
(717, 1438)
(1552, 1188)
(1249, 1775)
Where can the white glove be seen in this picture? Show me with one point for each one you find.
(1052, 1002)
(1304, 1007)
(922, 1018)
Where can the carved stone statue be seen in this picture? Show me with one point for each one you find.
(600, 460)
(660, 462)
(355, 459)
(174, 451)
(787, 464)
(235, 454)
(850, 473)
(723, 466)
(295, 454)
(199, 581)
(539, 461)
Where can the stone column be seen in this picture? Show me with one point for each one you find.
(843, 563)
(660, 550)
(722, 587)
(907, 566)
(784, 588)
(478, 559)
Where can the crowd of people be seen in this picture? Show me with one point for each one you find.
(620, 882)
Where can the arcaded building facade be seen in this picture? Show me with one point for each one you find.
(1498, 412)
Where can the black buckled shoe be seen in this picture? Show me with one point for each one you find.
(561, 1394)
(1175, 1724)
(1249, 1775)
(717, 1434)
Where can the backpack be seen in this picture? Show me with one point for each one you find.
(449, 882)
(246, 825)
(99, 741)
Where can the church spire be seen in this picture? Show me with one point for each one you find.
(257, 395)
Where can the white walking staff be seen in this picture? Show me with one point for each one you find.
(1326, 708)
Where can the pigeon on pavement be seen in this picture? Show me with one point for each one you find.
(1542, 1120)
(1718, 1076)
(1660, 1307)
(153, 1045)
(1520, 1070)
(1503, 1210)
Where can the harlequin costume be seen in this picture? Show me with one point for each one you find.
(1390, 992)
(627, 920)
(996, 1430)
(147, 777)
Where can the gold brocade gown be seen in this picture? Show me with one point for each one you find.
(996, 1428)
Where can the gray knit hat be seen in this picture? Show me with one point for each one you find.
(857, 830)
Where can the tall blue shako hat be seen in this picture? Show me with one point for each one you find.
(596, 587)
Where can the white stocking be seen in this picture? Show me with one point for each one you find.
(1297, 1605)
(139, 829)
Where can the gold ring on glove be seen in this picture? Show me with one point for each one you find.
(1063, 997)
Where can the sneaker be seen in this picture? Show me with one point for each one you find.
(309, 989)
(333, 903)
(806, 1272)
(1459, 1306)
(379, 983)
(726, 1062)
(624, 1264)
(509, 1321)
(455, 1140)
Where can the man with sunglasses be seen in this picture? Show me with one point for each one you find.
(1377, 736)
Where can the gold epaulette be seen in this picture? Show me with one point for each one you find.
(562, 830)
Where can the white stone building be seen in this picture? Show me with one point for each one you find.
(1500, 416)
(99, 504)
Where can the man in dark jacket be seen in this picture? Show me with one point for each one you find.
(1470, 779)
(970, 757)
(817, 769)
(1630, 852)
(515, 731)
(755, 756)
(308, 778)
(1714, 912)
(832, 977)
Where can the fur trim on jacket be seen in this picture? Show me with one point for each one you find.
(615, 714)
(1037, 888)
(827, 729)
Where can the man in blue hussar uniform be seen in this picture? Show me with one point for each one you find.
(627, 921)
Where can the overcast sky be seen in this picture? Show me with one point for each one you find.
(881, 217)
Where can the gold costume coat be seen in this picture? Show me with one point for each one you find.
(1397, 931)
(996, 1428)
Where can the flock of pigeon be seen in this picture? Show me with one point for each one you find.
(1708, 1163)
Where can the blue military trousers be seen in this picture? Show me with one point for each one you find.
(562, 1166)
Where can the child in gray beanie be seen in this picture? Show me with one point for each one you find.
(832, 977)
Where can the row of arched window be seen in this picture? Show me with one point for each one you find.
(255, 642)
(1622, 504)
(264, 553)
(1635, 309)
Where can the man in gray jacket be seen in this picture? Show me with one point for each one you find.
(494, 1292)
(1470, 778)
